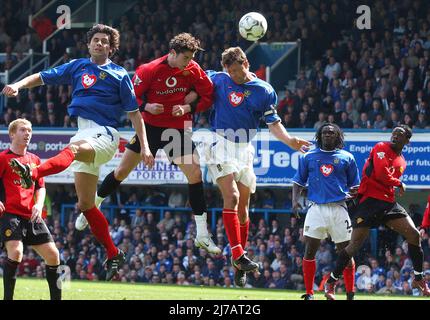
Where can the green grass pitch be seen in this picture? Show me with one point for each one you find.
(36, 289)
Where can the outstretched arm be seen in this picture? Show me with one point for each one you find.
(278, 130)
(11, 90)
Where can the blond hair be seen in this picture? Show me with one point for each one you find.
(13, 126)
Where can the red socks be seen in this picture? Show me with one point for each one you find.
(100, 229)
(232, 229)
(54, 165)
(309, 268)
(244, 230)
(349, 277)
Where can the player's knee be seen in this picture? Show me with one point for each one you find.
(243, 216)
(14, 254)
(195, 176)
(52, 258)
(232, 198)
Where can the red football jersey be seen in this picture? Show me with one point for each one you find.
(381, 173)
(15, 198)
(426, 217)
(157, 82)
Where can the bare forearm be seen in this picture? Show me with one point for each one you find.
(139, 125)
(297, 190)
(29, 82)
(40, 197)
(278, 130)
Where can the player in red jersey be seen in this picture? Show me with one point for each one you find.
(426, 218)
(377, 205)
(161, 87)
(21, 213)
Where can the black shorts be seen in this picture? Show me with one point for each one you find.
(14, 227)
(176, 143)
(373, 212)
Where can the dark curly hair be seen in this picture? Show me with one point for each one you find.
(340, 142)
(111, 32)
(184, 42)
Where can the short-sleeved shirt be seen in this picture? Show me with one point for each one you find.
(101, 93)
(16, 199)
(328, 174)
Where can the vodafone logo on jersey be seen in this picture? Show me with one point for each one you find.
(235, 98)
(88, 80)
(326, 169)
(171, 82)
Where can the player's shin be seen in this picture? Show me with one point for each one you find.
(108, 186)
(417, 257)
(244, 231)
(309, 269)
(341, 262)
(9, 278)
(54, 165)
(52, 277)
(231, 225)
(100, 228)
(198, 204)
(349, 276)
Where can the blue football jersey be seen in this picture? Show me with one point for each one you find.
(101, 93)
(241, 106)
(328, 174)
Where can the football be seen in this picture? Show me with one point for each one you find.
(252, 26)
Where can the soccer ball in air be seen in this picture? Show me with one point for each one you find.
(252, 26)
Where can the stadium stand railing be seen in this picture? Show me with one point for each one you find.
(214, 212)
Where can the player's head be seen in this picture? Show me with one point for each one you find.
(102, 41)
(20, 132)
(329, 137)
(182, 49)
(234, 61)
(401, 136)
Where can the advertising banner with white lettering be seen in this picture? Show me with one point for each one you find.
(274, 163)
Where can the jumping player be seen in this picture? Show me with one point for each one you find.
(161, 87)
(102, 91)
(240, 101)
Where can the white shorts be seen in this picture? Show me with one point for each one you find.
(104, 140)
(328, 219)
(224, 157)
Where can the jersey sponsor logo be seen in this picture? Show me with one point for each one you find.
(326, 169)
(88, 80)
(235, 98)
(381, 155)
(136, 80)
(171, 82)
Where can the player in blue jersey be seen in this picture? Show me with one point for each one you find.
(102, 91)
(331, 176)
(241, 100)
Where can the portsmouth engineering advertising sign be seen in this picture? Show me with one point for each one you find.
(274, 163)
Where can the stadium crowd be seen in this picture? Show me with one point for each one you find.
(357, 79)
